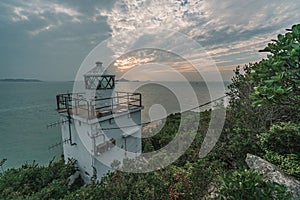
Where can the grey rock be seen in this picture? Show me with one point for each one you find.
(272, 173)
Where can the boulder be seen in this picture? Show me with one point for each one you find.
(272, 173)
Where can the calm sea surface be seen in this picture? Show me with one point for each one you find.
(26, 109)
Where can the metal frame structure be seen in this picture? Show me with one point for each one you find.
(76, 104)
(99, 82)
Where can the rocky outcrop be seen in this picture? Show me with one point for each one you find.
(274, 174)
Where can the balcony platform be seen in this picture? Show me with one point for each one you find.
(76, 104)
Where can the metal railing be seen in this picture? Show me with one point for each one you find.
(76, 104)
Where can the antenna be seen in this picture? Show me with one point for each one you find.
(69, 123)
(68, 120)
(54, 124)
(58, 144)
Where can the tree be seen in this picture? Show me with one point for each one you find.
(277, 78)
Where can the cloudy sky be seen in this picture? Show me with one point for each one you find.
(48, 40)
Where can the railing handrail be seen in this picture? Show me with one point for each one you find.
(73, 101)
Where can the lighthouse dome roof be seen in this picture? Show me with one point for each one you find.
(99, 70)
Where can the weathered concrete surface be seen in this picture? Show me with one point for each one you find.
(274, 174)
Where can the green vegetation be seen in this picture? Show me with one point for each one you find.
(248, 184)
(281, 144)
(37, 182)
(262, 119)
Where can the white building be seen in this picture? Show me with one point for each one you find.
(101, 125)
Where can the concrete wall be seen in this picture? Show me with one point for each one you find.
(83, 151)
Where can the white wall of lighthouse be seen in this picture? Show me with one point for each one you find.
(103, 127)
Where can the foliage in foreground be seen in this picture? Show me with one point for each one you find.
(37, 182)
(281, 144)
(248, 184)
(262, 119)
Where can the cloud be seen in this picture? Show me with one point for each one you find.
(42, 15)
(231, 32)
(38, 31)
(18, 14)
(50, 38)
(55, 22)
(23, 10)
(130, 62)
(226, 29)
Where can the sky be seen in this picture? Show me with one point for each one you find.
(49, 40)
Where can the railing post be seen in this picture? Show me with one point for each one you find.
(68, 98)
(76, 104)
(88, 108)
(94, 146)
(127, 100)
(140, 96)
(93, 108)
(118, 98)
(65, 101)
(57, 102)
(112, 105)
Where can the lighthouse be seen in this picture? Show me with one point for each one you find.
(100, 125)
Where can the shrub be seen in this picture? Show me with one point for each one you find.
(32, 178)
(283, 138)
(248, 184)
(289, 163)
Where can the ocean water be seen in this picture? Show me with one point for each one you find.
(25, 110)
(27, 107)
(173, 96)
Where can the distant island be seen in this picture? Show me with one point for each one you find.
(125, 80)
(122, 80)
(19, 80)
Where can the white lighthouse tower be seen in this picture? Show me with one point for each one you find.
(101, 125)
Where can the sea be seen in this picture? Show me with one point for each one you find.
(26, 108)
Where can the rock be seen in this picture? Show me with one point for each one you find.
(272, 173)
(211, 192)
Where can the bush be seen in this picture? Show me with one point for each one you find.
(248, 184)
(289, 163)
(278, 76)
(32, 179)
(281, 144)
(283, 138)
